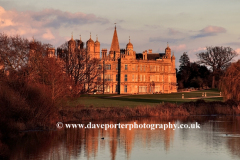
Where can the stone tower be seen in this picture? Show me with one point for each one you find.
(71, 46)
(90, 47)
(168, 52)
(97, 49)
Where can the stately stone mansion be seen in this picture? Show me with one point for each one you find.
(128, 72)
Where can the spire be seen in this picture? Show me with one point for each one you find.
(115, 43)
(90, 35)
(33, 39)
(129, 39)
(72, 36)
(97, 37)
(167, 45)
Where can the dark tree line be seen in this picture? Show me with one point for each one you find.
(208, 70)
(218, 59)
(192, 74)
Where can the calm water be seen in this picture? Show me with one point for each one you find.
(218, 138)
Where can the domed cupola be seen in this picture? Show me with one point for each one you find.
(168, 51)
(97, 42)
(129, 45)
(90, 41)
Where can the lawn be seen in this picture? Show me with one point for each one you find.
(140, 100)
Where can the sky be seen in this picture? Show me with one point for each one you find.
(187, 25)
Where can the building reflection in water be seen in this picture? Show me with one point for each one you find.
(87, 143)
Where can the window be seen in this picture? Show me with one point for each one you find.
(142, 88)
(133, 78)
(108, 67)
(152, 78)
(140, 78)
(107, 77)
(136, 78)
(140, 67)
(144, 68)
(117, 67)
(162, 68)
(157, 88)
(162, 78)
(116, 88)
(125, 78)
(116, 77)
(133, 67)
(107, 88)
(157, 78)
(143, 78)
(126, 66)
(125, 88)
(99, 66)
(136, 67)
(169, 79)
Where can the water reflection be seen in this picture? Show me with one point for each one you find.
(122, 143)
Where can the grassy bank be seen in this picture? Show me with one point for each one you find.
(108, 100)
(200, 107)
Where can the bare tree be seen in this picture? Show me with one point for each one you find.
(84, 70)
(14, 51)
(29, 61)
(218, 58)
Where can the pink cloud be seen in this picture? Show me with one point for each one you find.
(213, 29)
(210, 31)
(179, 48)
(44, 25)
(237, 50)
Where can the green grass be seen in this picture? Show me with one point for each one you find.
(140, 100)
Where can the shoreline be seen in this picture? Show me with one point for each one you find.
(197, 108)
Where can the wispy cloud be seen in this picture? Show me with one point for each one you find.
(172, 31)
(210, 31)
(162, 39)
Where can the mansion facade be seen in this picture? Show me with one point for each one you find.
(128, 72)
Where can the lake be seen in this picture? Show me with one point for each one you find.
(217, 138)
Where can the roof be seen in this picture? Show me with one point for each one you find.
(151, 56)
(115, 43)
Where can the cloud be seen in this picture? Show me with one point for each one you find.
(172, 31)
(48, 35)
(44, 25)
(162, 39)
(178, 48)
(56, 18)
(237, 50)
(233, 44)
(210, 31)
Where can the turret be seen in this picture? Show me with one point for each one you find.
(90, 47)
(71, 45)
(51, 52)
(129, 48)
(97, 48)
(168, 52)
(80, 43)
